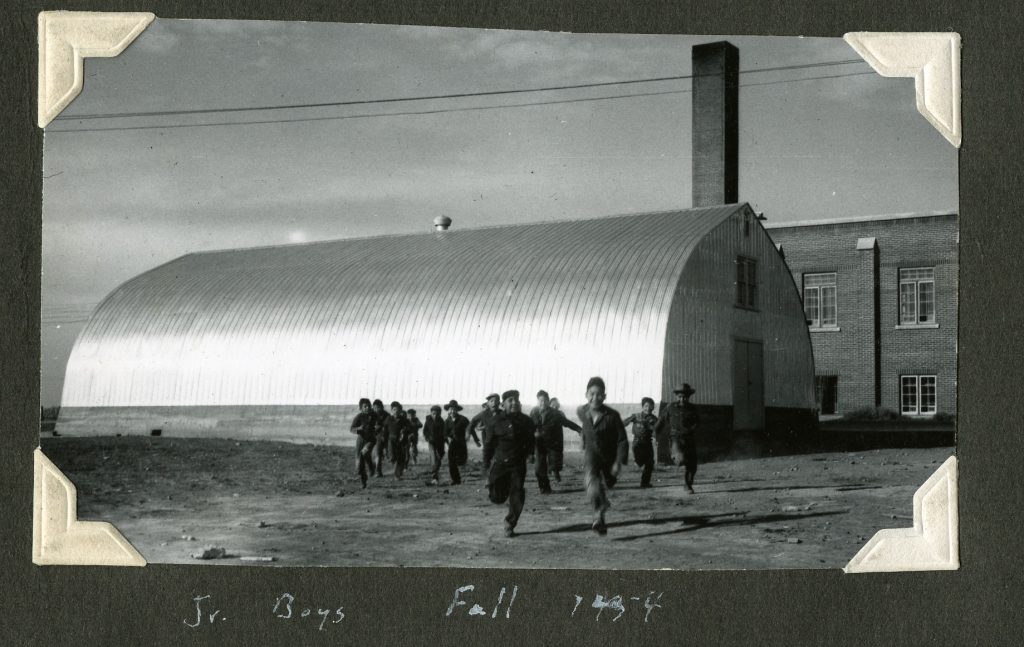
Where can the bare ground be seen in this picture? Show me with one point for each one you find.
(303, 505)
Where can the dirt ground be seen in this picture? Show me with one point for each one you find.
(303, 505)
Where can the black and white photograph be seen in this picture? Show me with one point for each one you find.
(326, 294)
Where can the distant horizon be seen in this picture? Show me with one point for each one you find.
(838, 142)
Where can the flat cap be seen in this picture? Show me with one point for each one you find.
(511, 393)
(493, 395)
(436, 408)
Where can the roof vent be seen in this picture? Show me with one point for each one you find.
(442, 223)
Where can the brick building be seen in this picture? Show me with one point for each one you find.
(880, 299)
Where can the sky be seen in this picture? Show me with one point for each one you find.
(123, 192)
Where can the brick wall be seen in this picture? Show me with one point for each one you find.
(849, 352)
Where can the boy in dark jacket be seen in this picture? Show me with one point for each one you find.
(604, 449)
(549, 422)
(364, 426)
(414, 441)
(434, 434)
(508, 441)
(398, 438)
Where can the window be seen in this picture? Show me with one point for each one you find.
(917, 395)
(746, 282)
(820, 300)
(826, 393)
(917, 296)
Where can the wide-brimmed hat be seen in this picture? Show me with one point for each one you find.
(453, 405)
(685, 389)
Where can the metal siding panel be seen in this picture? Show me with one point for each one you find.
(427, 316)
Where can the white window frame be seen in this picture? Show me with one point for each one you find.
(917, 385)
(818, 321)
(911, 282)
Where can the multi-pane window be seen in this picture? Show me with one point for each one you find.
(917, 296)
(820, 300)
(917, 395)
(746, 282)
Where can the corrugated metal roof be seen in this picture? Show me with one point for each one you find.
(419, 318)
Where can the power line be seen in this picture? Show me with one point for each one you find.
(433, 111)
(459, 95)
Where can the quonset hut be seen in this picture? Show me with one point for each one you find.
(281, 342)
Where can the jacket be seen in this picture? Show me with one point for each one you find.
(604, 438)
(550, 423)
(434, 431)
(364, 425)
(456, 428)
(681, 419)
(508, 442)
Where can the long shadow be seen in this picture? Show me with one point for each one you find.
(580, 527)
(697, 523)
(841, 488)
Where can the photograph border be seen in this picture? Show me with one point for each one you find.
(729, 607)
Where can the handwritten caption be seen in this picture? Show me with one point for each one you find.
(462, 602)
(284, 608)
(465, 601)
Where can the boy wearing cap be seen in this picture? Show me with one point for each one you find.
(491, 405)
(456, 427)
(508, 441)
(414, 442)
(604, 449)
(682, 421)
(434, 434)
(550, 442)
(364, 426)
(643, 434)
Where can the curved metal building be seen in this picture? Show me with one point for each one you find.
(647, 301)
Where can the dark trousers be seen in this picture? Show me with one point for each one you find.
(364, 458)
(555, 455)
(414, 449)
(541, 469)
(399, 456)
(598, 474)
(643, 455)
(684, 452)
(510, 487)
(379, 451)
(438, 456)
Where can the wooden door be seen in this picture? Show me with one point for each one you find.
(748, 385)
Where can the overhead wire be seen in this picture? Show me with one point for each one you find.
(431, 111)
(456, 95)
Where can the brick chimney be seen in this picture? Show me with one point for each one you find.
(716, 72)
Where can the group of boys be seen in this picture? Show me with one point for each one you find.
(511, 438)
